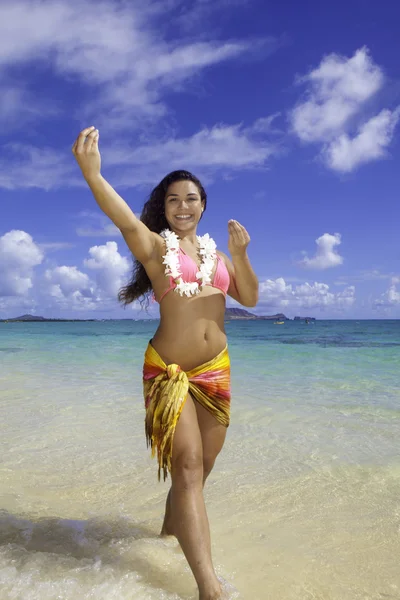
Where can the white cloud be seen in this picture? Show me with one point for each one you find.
(108, 230)
(96, 225)
(68, 280)
(337, 94)
(363, 275)
(110, 269)
(346, 298)
(277, 294)
(326, 255)
(13, 101)
(71, 288)
(67, 288)
(337, 90)
(345, 153)
(18, 256)
(222, 147)
(265, 124)
(123, 63)
(191, 14)
(63, 287)
(111, 47)
(24, 305)
(389, 298)
(24, 166)
(18, 104)
(76, 302)
(54, 246)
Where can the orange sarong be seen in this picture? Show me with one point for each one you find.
(165, 389)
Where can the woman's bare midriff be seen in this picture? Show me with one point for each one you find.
(191, 330)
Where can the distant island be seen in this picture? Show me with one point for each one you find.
(231, 314)
(304, 319)
(25, 318)
(239, 313)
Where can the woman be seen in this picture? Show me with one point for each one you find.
(186, 371)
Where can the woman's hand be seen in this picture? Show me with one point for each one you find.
(239, 239)
(86, 152)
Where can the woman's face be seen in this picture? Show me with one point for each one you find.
(183, 206)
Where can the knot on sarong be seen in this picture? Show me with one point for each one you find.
(173, 370)
(166, 389)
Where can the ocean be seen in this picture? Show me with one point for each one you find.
(304, 500)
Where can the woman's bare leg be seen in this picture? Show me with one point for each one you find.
(213, 437)
(189, 517)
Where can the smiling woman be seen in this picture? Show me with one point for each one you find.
(163, 205)
(186, 373)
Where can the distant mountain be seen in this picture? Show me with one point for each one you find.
(240, 313)
(32, 318)
(28, 318)
(304, 319)
(230, 315)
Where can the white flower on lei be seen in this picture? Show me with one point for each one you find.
(187, 288)
(171, 267)
(207, 250)
(171, 239)
(207, 244)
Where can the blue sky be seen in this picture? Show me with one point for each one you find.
(289, 112)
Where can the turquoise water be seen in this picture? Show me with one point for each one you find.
(303, 501)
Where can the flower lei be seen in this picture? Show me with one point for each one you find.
(207, 251)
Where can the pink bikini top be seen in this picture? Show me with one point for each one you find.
(189, 269)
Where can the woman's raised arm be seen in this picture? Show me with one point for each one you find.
(141, 241)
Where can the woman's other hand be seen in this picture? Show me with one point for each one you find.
(239, 239)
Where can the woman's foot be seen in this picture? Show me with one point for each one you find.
(228, 591)
(218, 594)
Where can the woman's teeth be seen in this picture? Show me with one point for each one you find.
(182, 217)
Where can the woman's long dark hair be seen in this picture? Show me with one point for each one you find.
(153, 216)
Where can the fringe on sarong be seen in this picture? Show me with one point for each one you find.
(165, 389)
